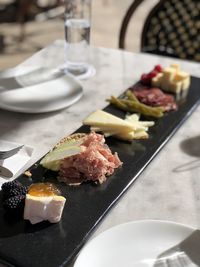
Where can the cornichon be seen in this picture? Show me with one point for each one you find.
(131, 105)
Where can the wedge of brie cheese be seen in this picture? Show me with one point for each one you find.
(45, 208)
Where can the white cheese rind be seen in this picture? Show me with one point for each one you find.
(38, 209)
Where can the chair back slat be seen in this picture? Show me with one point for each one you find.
(172, 28)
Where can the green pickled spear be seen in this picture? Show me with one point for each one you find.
(144, 109)
(131, 96)
(135, 106)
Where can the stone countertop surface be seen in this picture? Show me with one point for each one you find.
(169, 188)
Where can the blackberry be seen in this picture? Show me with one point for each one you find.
(14, 203)
(20, 191)
(14, 188)
(6, 187)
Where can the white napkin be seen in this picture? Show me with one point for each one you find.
(11, 166)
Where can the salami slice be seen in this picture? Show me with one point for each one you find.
(155, 97)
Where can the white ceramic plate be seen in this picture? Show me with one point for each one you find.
(53, 91)
(134, 244)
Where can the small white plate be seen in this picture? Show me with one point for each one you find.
(54, 91)
(134, 244)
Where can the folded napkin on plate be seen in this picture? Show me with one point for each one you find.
(11, 166)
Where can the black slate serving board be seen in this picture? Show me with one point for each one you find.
(53, 245)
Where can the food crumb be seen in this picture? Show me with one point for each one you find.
(28, 173)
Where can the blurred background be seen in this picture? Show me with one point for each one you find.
(22, 35)
(27, 26)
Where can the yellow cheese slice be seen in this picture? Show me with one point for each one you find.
(176, 66)
(136, 125)
(141, 135)
(107, 131)
(156, 81)
(169, 74)
(172, 79)
(126, 136)
(101, 118)
(139, 132)
(181, 75)
(133, 135)
(139, 125)
(165, 85)
(175, 87)
(186, 83)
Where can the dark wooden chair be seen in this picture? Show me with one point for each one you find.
(23, 11)
(172, 28)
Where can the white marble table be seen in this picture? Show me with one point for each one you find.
(169, 188)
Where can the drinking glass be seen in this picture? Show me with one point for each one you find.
(77, 36)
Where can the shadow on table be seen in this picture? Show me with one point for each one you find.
(10, 79)
(11, 121)
(191, 146)
(191, 165)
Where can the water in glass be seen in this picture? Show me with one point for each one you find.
(77, 34)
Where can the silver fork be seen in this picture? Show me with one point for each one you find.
(177, 259)
(9, 153)
(184, 254)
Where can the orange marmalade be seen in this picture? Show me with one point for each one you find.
(43, 190)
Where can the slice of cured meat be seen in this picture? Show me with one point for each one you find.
(155, 97)
(94, 163)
